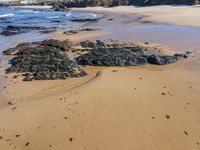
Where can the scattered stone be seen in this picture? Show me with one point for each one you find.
(65, 117)
(27, 144)
(197, 143)
(17, 135)
(186, 133)
(167, 116)
(10, 103)
(153, 117)
(163, 93)
(70, 139)
(1, 137)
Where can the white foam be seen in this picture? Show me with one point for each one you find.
(30, 11)
(52, 17)
(69, 14)
(94, 15)
(6, 15)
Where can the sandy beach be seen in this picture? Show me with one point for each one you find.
(112, 108)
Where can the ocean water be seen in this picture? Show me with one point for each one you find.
(40, 18)
(19, 16)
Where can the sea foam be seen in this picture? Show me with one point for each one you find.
(6, 15)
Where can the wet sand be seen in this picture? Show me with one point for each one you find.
(147, 108)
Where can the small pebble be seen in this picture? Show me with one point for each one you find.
(27, 144)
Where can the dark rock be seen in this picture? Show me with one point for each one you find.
(9, 33)
(83, 20)
(181, 56)
(100, 43)
(59, 6)
(88, 43)
(161, 60)
(63, 45)
(14, 30)
(44, 60)
(104, 56)
(70, 32)
(47, 31)
(88, 29)
(110, 19)
(121, 54)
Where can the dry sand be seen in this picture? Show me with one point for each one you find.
(178, 15)
(116, 108)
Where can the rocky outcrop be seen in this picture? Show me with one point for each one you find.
(46, 60)
(59, 6)
(102, 54)
(14, 30)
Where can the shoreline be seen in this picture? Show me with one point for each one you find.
(157, 14)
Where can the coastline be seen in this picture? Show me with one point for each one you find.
(177, 15)
(125, 109)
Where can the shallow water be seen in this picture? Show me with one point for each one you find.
(127, 27)
(177, 37)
